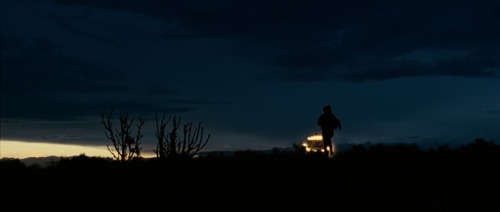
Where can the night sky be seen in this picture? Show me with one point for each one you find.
(256, 74)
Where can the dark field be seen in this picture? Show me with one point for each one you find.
(396, 178)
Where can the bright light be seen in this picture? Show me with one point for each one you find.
(315, 137)
(314, 143)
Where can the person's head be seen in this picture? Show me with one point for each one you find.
(327, 109)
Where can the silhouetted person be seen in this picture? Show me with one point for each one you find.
(328, 123)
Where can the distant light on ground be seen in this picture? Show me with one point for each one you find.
(315, 137)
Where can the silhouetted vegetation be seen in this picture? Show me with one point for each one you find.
(126, 145)
(172, 146)
(398, 177)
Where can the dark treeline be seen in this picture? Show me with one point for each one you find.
(399, 177)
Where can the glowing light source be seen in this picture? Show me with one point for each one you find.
(314, 143)
(315, 137)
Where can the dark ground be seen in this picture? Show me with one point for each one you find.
(382, 178)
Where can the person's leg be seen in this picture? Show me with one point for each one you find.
(330, 146)
(327, 145)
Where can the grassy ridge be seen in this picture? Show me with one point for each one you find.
(396, 177)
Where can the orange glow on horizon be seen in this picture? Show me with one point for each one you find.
(21, 150)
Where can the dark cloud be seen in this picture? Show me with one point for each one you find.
(347, 40)
(494, 111)
(43, 84)
(39, 80)
(70, 110)
(324, 40)
(365, 48)
(475, 64)
(35, 66)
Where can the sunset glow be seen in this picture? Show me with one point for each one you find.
(19, 149)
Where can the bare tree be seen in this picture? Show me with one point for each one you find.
(126, 146)
(160, 136)
(172, 146)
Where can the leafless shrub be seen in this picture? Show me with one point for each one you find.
(171, 145)
(126, 146)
